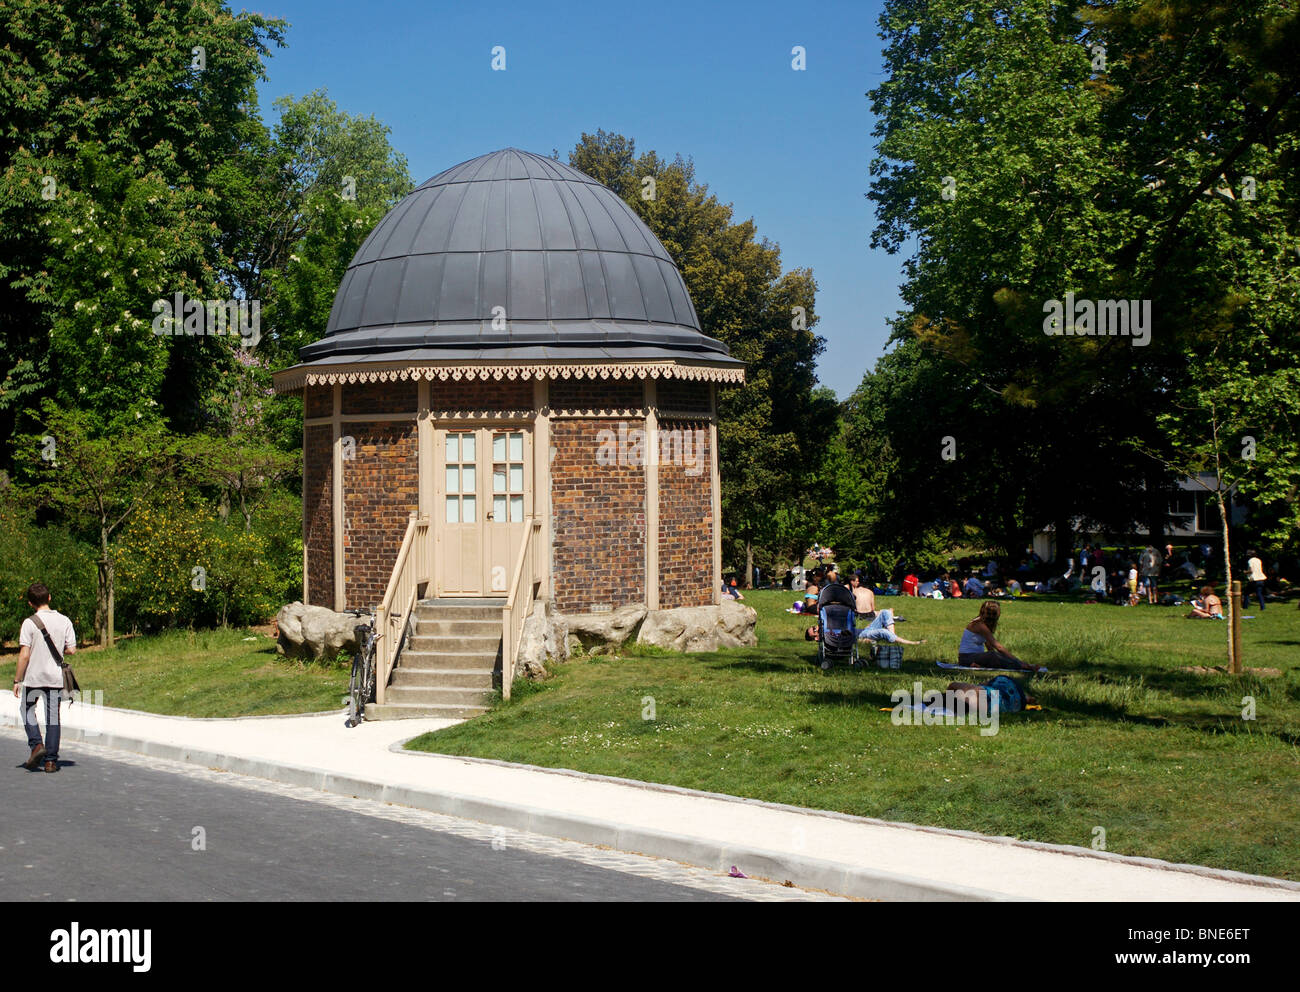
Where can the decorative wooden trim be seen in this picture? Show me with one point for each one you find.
(714, 481)
(340, 585)
(603, 414)
(651, 496)
(689, 415)
(522, 416)
(297, 378)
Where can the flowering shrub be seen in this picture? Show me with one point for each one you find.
(177, 565)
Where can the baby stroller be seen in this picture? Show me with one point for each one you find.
(836, 637)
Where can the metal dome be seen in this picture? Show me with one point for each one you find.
(565, 267)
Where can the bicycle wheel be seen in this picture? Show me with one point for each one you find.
(369, 675)
(355, 683)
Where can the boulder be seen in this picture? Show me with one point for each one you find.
(700, 628)
(314, 632)
(545, 637)
(605, 631)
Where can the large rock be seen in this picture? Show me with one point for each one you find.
(314, 632)
(545, 637)
(700, 628)
(605, 631)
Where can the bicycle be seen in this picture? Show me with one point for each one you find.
(361, 686)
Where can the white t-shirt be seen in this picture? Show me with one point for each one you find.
(43, 671)
(1256, 570)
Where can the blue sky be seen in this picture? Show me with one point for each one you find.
(712, 81)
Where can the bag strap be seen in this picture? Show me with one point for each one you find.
(49, 641)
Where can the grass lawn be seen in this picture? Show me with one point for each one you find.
(1160, 758)
(204, 673)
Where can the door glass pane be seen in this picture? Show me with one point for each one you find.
(516, 509)
(453, 478)
(467, 448)
(516, 447)
(467, 509)
(498, 478)
(516, 478)
(499, 509)
(453, 509)
(499, 447)
(453, 448)
(467, 478)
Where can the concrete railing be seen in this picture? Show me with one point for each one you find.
(411, 575)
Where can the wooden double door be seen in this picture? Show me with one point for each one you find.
(483, 485)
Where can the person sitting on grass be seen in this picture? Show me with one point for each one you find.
(1011, 696)
(863, 597)
(973, 587)
(979, 648)
(882, 629)
(1208, 607)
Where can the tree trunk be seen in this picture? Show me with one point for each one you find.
(104, 593)
(749, 564)
(1234, 663)
(1063, 535)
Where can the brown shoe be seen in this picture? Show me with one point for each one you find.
(38, 752)
(51, 766)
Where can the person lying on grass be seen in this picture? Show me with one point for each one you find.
(881, 628)
(1208, 607)
(979, 648)
(1011, 696)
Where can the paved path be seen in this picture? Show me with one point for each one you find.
(832, 852)
(149, 829)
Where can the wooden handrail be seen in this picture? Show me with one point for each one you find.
(411, 575)
(518, 605)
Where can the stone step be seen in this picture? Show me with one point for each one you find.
(459, 660)
(440, 696)
(450, 678)
(439, 627)
(411, 711)
(434, 644)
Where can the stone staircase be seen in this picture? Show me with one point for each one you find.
(448, 667)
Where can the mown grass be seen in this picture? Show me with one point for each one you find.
(206, 673)
(1160, 758)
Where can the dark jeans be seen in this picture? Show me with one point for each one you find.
(1258, 589)
(31, 698)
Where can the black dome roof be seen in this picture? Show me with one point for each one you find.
(576, 273)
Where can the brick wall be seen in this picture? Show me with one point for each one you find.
(319, 402)
(381, 486)
(685, 515)
(479, 395)
(381, 397)
(683, 396)
(599, 518)
(318, 513)
(597, 394)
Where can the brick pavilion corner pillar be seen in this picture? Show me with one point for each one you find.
(337, 501)
(715, 485)
(651, 464)
(542, 479)
(424, 452)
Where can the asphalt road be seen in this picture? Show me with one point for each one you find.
(116, 827)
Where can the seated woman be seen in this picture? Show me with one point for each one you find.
(863, 597)
(882, 629)
(979, 648)
(1208, 607)
(1011, 696)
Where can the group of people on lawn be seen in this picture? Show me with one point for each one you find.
(978, 648)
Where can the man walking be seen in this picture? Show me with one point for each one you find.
(45, 638)
(1151, 563)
